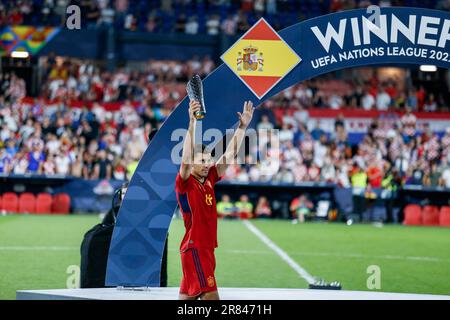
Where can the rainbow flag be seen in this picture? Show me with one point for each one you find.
(261, 58)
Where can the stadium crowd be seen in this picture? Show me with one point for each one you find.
(162, 83)
(70, 131)
(185, 16)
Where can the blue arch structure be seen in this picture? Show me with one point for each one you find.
(144, 218)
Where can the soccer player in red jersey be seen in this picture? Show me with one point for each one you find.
(194, 187)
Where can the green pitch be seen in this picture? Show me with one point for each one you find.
(36, 252)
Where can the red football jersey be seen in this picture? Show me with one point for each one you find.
(198, 205)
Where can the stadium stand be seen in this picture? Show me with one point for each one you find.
(44, 203)
(413, 215)
(27, 203)
(444, 216)
(10, 202)
(61, 203)
(69, 141)
(430, 216)
(206, 17)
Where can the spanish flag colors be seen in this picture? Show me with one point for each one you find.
(261, 58)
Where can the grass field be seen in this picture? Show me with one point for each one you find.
(35, 252)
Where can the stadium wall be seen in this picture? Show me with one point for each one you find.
(95, 196)
(108, 44)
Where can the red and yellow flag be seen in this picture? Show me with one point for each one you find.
(261, 58)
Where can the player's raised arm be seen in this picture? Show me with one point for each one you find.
(188, 146)
(233, 147)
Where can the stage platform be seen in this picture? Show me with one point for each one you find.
(225, 294)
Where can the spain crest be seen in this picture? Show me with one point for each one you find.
(251, 60)
(261, 58)
(211, 281)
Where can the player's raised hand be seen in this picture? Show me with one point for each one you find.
(246, 116)
(194, 106)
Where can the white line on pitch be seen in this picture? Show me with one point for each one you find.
(345, 255)
(36, 248)
(283, 255)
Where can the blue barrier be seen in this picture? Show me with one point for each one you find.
(95, 196)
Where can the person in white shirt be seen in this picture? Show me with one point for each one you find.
(383, 100)
(301, 115)
(20, 163)
(212, 25)
(368, 101)
(335, 101)
(27, 130)
(265, 124)
(445, 178)
(291, 155)
(286, 134)
(62, 162)
(320, 151)
(191, 26)
(328, 172)
(342, 177)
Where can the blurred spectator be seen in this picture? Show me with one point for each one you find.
(432, 176)
(77, 167)
(180, 25)
(35, 158)
(62, 163)
(359, 177)
(430, 104)
(286, 134)
(445, 178)
(263, 209)
(5, 161)
(271, 7)
(20, 163)
(15, 17)
(317, 132)
(225, 208)
(383, 99)
(409, 123)
(244, 208)
(300, 207)
(213, 25)
(229, 25)
(374, 174)
(368, 101)
(242, 22)
(191, 26)
(265, 124)
(102, 167)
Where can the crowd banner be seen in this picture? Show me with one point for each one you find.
(259, 65)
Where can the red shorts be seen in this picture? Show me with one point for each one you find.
(198, 266)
